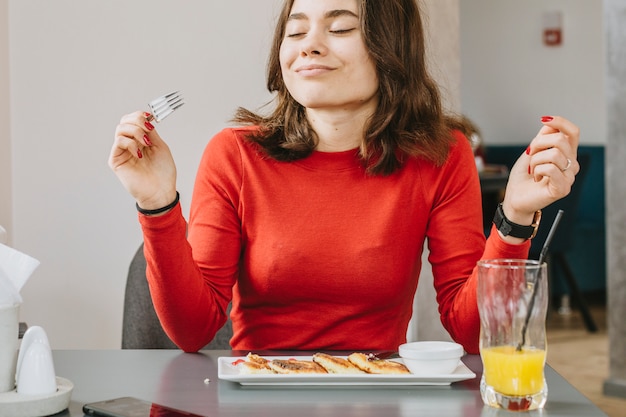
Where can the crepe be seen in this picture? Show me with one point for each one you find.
(295, 366)
(336, 365)
(254, 364)
(321, 363)
(373, 365)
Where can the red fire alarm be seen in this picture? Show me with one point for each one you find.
(553, 28)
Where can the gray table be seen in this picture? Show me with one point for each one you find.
(177, 380)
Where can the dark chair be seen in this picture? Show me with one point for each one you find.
(563, 238)
(141, 328)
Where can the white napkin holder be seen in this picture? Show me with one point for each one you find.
(28, 384)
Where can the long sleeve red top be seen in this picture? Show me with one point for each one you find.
(316, 254)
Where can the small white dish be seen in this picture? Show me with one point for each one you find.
(431, 357)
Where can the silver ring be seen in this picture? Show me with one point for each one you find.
(569, 164)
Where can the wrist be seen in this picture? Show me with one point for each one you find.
(157, 199)
(516, 216)
(159, 210)
(512, 231)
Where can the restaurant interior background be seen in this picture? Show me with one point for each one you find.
(69, 69)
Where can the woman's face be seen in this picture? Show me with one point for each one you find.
(323, 58)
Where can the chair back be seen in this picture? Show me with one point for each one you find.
(141, 328)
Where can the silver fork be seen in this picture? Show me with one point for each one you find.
(163, 106)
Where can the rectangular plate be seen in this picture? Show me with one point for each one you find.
(228, 372)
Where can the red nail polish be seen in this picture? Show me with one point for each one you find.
(149, 125)
(139, 154)
(546, 119)
(146, 114)
(528, 169)
(147, 140)
(528, 150)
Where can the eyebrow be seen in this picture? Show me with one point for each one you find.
(327, 15)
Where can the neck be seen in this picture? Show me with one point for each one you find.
(338, 131)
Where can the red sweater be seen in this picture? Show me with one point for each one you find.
(315, 254)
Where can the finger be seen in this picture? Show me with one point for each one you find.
(136, 125)
(139, 119)
(124, 150)
(135, 132)
(563, 125)
(556, 157)
(550, 155)
(554, 144)
(556, 182)
(568, 165)
(131, 137)
(555, 147)
(568, 168)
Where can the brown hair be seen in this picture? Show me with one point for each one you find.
(409, 119)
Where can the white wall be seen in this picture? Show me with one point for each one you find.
(441, 21)
(510, 79)
(5, 133)
(76, 68)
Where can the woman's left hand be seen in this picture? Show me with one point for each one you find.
(545, 172)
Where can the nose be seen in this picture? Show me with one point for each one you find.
(313, 44)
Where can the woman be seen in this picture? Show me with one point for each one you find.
(313, 219)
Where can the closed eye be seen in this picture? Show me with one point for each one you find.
(342, 31)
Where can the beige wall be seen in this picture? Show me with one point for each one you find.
(76, 67)
(510, 78)
(442, 19)
(5, 132)
(442, 23)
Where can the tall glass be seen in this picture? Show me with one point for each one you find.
(513, 302)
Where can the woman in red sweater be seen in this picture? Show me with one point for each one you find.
(312, 219)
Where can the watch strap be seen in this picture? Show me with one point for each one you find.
(509, 228)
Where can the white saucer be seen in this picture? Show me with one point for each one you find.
(20, 405)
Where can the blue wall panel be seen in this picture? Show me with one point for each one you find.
(584, 230)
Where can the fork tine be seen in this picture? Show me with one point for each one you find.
(163, 106)
(164, 101)
(169, 103)
(165, 98)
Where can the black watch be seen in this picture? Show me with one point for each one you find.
(508, 228)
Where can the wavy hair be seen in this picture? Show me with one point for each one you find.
(408, 121)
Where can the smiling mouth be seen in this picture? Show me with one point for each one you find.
(311, 70)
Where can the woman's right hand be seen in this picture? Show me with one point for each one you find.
(143, 162)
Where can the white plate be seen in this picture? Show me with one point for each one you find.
(227, 371)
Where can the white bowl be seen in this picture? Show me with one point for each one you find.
(431, 358)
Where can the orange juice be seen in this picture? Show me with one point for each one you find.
(511, 372)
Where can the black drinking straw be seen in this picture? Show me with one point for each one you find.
(542, 255)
